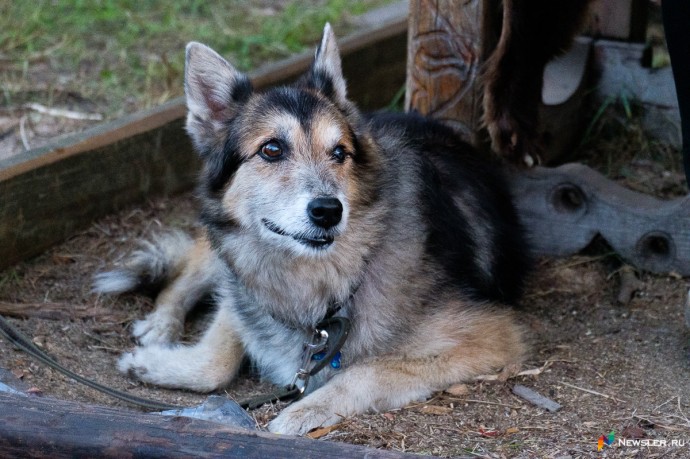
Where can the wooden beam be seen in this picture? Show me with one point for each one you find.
(62, 189)
(565, 208)
(44, 427)
(48, 194)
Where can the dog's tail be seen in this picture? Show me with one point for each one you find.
(149, 268)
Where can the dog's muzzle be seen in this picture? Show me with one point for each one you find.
(315, 241)
(324, 213)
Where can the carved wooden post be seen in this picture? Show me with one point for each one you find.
(446, 47)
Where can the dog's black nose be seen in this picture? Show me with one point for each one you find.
(325, 212)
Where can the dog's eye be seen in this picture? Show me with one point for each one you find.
(271, 150)
(339, 153)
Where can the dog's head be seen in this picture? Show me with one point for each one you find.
(288, 164)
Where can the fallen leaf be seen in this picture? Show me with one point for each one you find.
(39, 341)
(436, 410)
(512, 430)
(490, 433)
(389, 416)
(63, 259)
(322, 431)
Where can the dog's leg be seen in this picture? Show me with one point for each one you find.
(205, 366)
(186, 269)
(533, 32)
(165, 323)
(482, 343)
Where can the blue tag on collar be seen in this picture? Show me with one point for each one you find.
(335, 361)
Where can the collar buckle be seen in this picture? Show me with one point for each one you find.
(329, 336)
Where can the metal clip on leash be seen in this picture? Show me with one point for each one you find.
(329, 336)
(317, 345)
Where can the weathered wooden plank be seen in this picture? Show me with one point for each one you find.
(49, 193)
(48, 203)
(43, 427)
(565, 208)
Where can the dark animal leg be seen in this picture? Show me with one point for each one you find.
(533, 32)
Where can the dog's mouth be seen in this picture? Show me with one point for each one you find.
(314, 241)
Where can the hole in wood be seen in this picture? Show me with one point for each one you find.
(568, 198)
(656, 247)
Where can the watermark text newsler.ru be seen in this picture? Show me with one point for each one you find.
(652, 442)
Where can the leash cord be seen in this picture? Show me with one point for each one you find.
(17, 338)
(288, 393)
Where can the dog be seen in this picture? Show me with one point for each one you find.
(312, 210)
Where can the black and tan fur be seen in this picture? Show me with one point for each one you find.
(421, 246)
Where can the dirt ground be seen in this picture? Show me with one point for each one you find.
(613, 367)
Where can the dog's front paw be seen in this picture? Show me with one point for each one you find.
(132, 364)
(301, 417)
(158, 328)
(153, 364)
(195, 368)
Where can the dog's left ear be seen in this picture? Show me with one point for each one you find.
(326, 74)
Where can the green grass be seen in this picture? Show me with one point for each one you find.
(616, 143)
(124, 55)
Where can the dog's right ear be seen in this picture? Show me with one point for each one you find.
(215, 92)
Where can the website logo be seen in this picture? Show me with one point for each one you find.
(605, 440)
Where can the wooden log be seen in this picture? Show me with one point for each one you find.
(49, 193)
(43, 427)
(565, 208)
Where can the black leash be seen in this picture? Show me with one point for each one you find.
(17, 338)
(329, 336)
